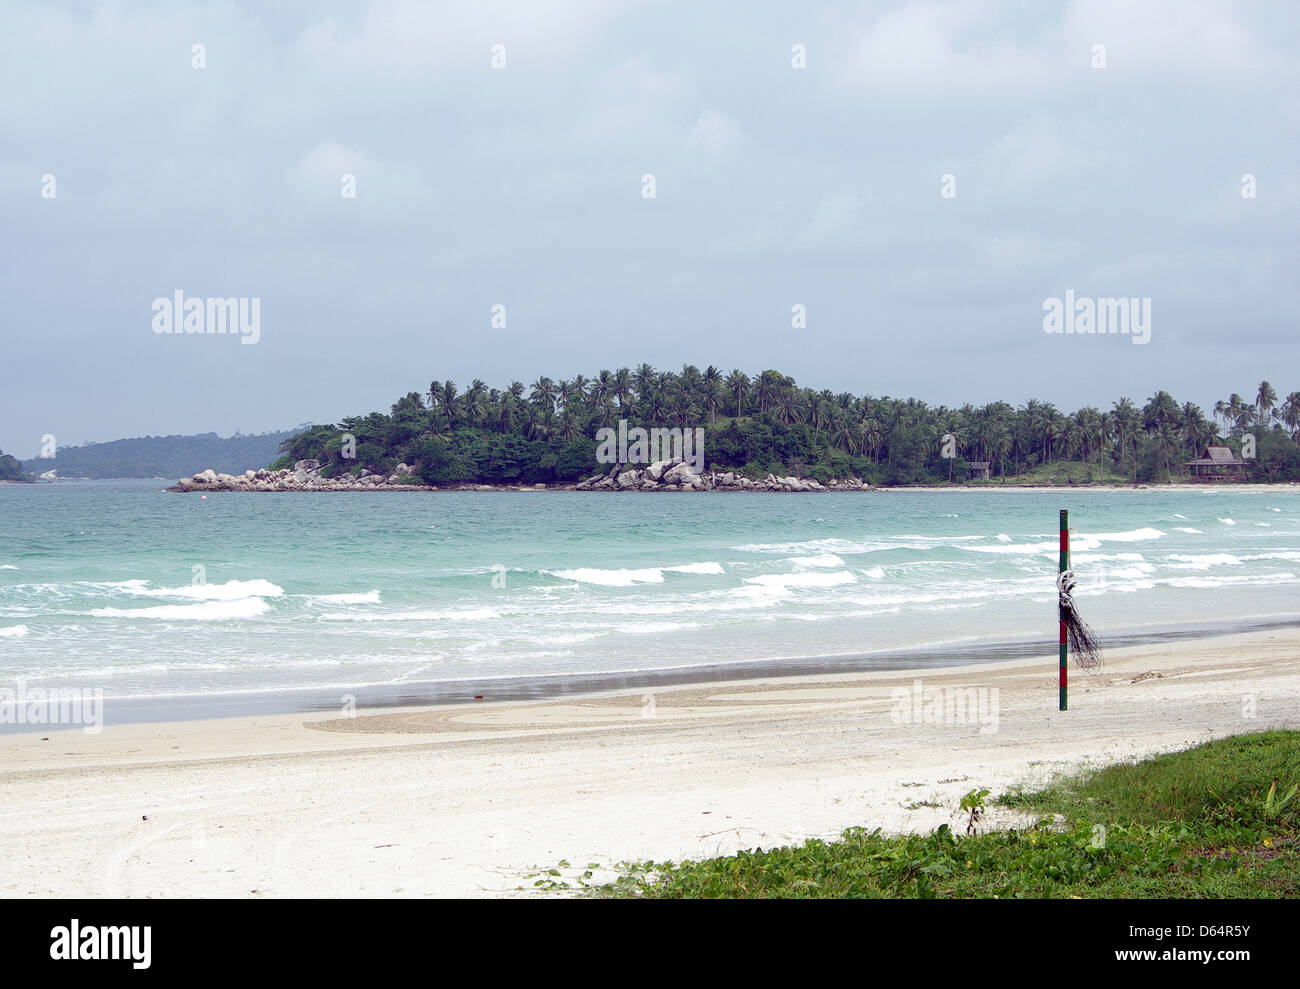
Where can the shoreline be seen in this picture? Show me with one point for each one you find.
(674, 475)
(476, 801)
(1236, 487)
(468, 693)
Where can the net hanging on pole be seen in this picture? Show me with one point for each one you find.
(1083, 641)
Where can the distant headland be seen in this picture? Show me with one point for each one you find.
(767, 433)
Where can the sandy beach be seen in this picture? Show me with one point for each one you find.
(474, 800)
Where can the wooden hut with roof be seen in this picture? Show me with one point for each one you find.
(1218, 464)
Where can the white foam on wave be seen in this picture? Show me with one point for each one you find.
(875, 573)
(825, 560)
(1129, 536)
(7, 566)
(1082, 541)
(369, 597)
(231, 590)
(573, 638)
(1203, 561)
(789, 580)
(1227, 521)
(1106, 557)
(1137, 572)
(653, 628)
(1260, 580)
(711, 567)
(756, 596)
(832, 544)
(1177, 516)
(14, 632)
(452, 615)
(1021, 549)
(1017, 587)
(1003, 537)
(207, 611)
(856, 547)
(1190, 531)
(644, 575)
(611, 578)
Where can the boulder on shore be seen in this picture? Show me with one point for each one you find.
(664, 475)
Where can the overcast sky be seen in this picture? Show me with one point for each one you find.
(522, 186)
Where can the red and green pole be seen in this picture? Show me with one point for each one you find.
(1065, 565)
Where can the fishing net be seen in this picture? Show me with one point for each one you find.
(1083, 642)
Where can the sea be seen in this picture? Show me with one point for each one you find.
(245, 602)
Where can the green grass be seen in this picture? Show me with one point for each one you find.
(1062, 472)
(1199, 823)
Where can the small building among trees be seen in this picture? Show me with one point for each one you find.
(1218, 464)
(979, 470)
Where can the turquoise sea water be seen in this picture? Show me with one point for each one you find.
(121, 586)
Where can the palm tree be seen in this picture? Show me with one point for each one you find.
(1000, 446)
(449, 401)
(543, 394)
(710, 384)
(622, 387)
(1125, 419)
(569, 428)
(790, 404)
(1265, 401)
(767, 388)
(1239, 413)
(507, 412)
(644, 378)
(1196, 431)
(846, 435)
(602, 388)
(581, 385)
(472, 404)
(691, 378)
(738, 385)
(873, 434)
(1160, 408)
(1165, 438)
(408, 404)
(1291, 414)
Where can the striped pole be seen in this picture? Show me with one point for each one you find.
(1065, 565)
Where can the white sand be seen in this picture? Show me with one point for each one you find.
(469, 801)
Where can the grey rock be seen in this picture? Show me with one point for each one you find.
(656, 470)
(678, 472)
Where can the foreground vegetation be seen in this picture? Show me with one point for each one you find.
(1218, 820)
(546, 432)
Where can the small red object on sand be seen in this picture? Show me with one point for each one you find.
(478, 697)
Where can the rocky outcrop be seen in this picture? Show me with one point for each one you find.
(305, 476)
(667, 475)
(677, 475)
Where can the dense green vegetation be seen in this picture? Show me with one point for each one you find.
(1218, 820)
(10, 468)
(546, 432)
(164, 456)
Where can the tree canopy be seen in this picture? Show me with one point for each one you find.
(546, 431)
